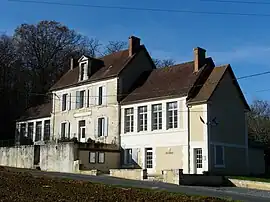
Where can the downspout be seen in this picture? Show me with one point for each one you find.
(188, 110)
(53, 115)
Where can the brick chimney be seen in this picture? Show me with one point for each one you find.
(134, 45)
(71, 64)
(199, 58)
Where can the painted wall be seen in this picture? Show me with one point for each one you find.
(57, 157)
(256, 161)
(231, 131)
(21, 156)
(170, 146)
(90, 114)
(111, 160)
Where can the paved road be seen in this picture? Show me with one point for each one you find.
(235, 193)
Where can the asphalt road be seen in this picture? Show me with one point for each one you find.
(235, 193)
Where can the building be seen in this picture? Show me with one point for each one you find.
(85, 104)
(190, 116)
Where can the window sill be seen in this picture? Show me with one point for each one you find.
(219, 166)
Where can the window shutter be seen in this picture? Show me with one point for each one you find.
(77, 99)
(70, 101)
(106, 126)
(135, 156)
(96, 96)
(88, 99)
(68, 129)
(95, 129)
(104, 94)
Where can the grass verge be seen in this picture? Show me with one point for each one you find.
(17, 186)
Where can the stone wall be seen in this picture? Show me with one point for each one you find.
(134, 174)
(19, 156)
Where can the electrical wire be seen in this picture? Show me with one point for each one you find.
(142, 9)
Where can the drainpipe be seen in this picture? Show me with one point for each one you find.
(188, 110)
(54, 94)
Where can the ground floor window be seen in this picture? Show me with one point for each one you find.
(149, 157)
(128, 156)
(219, 156)
(96, 157)
(198, 156)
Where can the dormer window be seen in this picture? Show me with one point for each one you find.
(82, 69)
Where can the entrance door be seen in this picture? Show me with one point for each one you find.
(82, 131)
(198, 164)
(149, 159)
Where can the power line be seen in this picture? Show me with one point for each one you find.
(142, 9)
(237, 2)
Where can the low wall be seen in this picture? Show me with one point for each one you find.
(57, 157)
(202, 180)
(134, 174)
(251, 184)
(19, 156)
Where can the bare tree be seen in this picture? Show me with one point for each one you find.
(115, 46)
(163, 63)
(45, 49)
(259, 121)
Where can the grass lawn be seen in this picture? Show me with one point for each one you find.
(16, 186)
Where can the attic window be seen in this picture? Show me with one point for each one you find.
(82, 70)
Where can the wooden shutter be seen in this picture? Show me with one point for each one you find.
(77, 99)
(104, 94)
(106, 126)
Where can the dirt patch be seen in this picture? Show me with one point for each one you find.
(21, 187)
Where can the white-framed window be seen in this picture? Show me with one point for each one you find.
(64, 101)
(101, 157)
(101, 130)
(172, 115)
(129, 120)
(149, 157)
(100, 95)
(92, 157)
(82, 130)
(142, 118)
(96, 157)
(23, 129)
(65, 130)
(30, 130)
(128, 156)
(38, 131)
(157, 117)
(47, 127)
(80, 97)
(219, 156)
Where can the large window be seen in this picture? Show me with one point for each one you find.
(142, 118)
(30, 130)
(64, 102)
(47, 130)
(172, 114)
(219, 156)
(149, 158)
(65, 130)
(100, 95)
(23, 130)
(157, 117)
(80, 96)
(128, 156)
(96, 157)
(129, 120)
(101, 127)
(38, 131)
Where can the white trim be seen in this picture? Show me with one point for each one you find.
(66, 129)
(228, 145)
(34, 120)
(223, 157)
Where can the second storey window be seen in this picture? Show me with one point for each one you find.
(142, 118)
(38, 130)
(101, 127)
(172, 115)
(129, 120)
(65, 130)
(100, 95)
(23, 129)
(47, 130)
(80, 95)
(30, 130)
(64, 102)
(157, 117)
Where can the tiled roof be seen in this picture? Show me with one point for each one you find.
(39, 111)
(166, 82)
(113, 65)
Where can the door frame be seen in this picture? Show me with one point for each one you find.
(195, 157)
